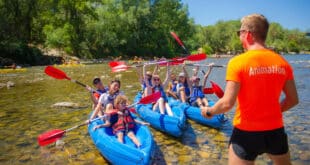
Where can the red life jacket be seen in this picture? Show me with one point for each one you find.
(124, 122)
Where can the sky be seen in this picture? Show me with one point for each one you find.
(291, 14)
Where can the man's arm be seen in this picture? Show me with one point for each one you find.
(226, 102)
(291, 96)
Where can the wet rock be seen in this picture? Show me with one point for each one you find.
(60, 144)
(24, 158)
(304, 156)
(299, 128)
(185, 159)
(202, 139)
(66, 105)
(34, 80)
(2, 85)
(204, 154)
(10, 84)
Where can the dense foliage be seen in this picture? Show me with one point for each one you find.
(101, 28)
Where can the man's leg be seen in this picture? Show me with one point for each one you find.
(233, 159)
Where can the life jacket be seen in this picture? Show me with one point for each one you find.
(174, 86)
(160, 89)
(99, 92)
(144, 84)
(186, 88)
(196, 93)
(124, 122)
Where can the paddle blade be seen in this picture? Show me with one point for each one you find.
(177, 38)
(50, 137)
(116, 63)
(120, 68)
(132, 110)
(208, 91)
(196, 57)
(56, 73)
(217, 90)
(150, 99)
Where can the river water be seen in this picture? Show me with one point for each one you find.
(26, 112)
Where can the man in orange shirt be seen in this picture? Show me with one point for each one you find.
(256, 79)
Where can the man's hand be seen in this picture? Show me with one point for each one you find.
(204, 111)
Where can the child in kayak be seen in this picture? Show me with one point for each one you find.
(197, 98)
(106, 100)
(157, 86)
(183, 86)
(148, 77)
(100, 89)
(125, 125)
(172, 86)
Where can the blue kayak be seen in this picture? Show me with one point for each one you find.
(127, 153)
(194, 114)
(173, 125)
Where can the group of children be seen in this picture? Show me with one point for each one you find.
(187, 90)
(112, 104)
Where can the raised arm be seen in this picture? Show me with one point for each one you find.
(145, 77)
(140, 74)
(196, 71)
(155, 72)
(291, 96)
(187, 76)
(165, 83)
(205, 78)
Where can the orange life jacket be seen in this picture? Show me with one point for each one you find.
(124, 122)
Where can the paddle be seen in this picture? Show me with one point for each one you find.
(174, 61)
(116, 63)
(206, 65)
(179, 41)
(53, 135)
(59, 74)
(216, 89)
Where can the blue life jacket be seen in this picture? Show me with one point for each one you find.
(196, 93)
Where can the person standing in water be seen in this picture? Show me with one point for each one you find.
(256, 79)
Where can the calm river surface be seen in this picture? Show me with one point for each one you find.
(26, 112)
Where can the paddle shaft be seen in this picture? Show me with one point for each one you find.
(83, 85)
(85, 123)
(206, 65)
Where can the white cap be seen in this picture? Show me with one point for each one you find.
(182, 74)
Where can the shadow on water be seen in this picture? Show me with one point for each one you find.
(158, 156)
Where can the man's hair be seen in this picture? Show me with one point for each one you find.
(120, 99)
(257, 24)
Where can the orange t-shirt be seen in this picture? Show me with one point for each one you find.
(262, 75)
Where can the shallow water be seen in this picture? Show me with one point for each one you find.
(26, 112)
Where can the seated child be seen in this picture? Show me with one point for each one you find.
(125, 124)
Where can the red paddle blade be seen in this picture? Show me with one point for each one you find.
(120, 68)
(217, 90)
(132, 110)
(56, 73)
(50, 137)
(177, 38)
(150, 99)
(116, 63)
(208, 91)
(196, 57)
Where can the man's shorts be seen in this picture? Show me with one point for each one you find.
(248, 145)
